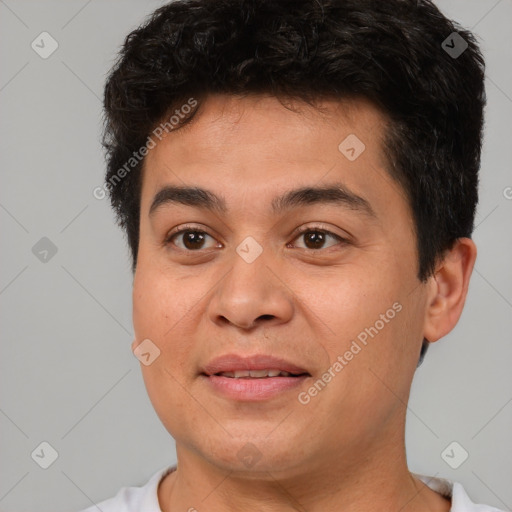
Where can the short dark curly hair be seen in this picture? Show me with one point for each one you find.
(402, 55)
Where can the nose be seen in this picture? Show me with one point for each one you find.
(251, 294)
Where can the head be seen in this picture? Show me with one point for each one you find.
(333, 142)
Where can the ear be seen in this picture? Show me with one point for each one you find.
(134, 343)
(448, 288)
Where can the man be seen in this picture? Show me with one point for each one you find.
(297, 181)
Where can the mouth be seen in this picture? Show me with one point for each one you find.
(252, 378)
(255, 366)
(258, 374)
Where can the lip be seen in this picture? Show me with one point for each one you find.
(233, 362)
(252, 389)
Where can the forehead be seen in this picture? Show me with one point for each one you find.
(254, 138)
(221, 119)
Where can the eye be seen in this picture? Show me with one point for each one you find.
(316, 238)
(191, 239)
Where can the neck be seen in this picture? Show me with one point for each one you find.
(370, 478)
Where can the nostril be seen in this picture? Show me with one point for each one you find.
(266, 317)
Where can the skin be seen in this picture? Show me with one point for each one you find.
(345, 449)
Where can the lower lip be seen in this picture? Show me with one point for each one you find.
(253, 389)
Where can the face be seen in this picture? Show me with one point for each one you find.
(303, 250)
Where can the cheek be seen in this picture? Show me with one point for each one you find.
(158, 303)
(142, 300)
(164, 311)
(372, 321)
(350, 300)
(157, 307)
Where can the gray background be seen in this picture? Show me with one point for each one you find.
(68, 376)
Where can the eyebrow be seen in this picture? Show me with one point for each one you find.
(335, 193)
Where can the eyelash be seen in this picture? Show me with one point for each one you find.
(298, 233)
(316, 229)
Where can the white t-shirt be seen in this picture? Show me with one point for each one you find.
(145, 498)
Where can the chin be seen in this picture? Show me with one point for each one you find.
(254, 454)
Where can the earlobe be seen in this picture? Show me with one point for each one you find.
(448, 289)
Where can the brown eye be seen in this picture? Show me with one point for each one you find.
(190, 239)
(316, 239)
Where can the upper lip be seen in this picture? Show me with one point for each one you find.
(234, 362)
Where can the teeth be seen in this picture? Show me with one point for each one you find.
(261, 373)
(255, 374)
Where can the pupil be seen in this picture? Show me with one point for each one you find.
(317, 239)
(193, 240)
